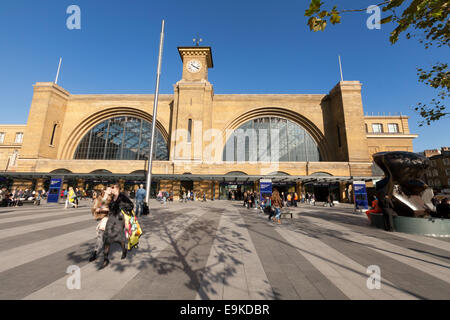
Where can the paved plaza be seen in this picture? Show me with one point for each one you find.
(219, 250)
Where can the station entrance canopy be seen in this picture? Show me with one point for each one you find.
(191, 177)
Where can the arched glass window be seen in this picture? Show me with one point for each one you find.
(121, 138)
(271, 139)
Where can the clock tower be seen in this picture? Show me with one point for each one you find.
(192, 107)
(196, 62)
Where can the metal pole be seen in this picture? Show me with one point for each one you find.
(57, 73)
(340, 68)
(155, 106)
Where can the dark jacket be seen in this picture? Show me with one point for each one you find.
(115, 227)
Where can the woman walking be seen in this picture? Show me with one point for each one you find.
(100, 210)
(277, 203)
(115, 226)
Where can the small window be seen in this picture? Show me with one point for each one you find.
(448, 182)
(19, 137)
(377, 128)
(437, 183)
(189, 130)
(53, 134)
(393, 128)
(445, 160)
(367, 128)
(339, 136)
(447, 172)
(2, 137)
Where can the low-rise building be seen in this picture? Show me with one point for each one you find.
(438, 174)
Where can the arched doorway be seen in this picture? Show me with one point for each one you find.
(186, 184)
(321, 188)
(284, 186)
(233, 189)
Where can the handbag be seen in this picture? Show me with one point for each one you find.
(145, 209)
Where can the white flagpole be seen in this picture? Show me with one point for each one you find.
(57, 73)
(340, 68)
(155, 106)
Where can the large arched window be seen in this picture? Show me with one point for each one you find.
(271, 139)
(121, 138)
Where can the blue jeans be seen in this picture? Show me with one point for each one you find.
(277, 213)
(139, 207)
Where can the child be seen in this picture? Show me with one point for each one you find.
(100, 211)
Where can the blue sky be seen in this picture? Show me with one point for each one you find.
(258, 47)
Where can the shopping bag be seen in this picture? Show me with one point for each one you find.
(133, 230)
(145, 209)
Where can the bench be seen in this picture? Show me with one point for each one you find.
(286, 213)
(27, 202)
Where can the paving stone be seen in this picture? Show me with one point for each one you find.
(219, 250)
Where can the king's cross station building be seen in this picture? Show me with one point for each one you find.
(205, 142)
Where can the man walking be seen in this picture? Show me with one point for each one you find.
(140, 197)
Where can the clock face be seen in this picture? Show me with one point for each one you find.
(194, 66)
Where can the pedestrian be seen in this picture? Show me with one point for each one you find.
(375, 208)
(295, 199)
(140, 197)
(250, 200)
(268, 209)
(387, 208)
(277, 203)
(77, 196)
(115, 226)
(94, 195)
(17, 195)
(245, 199)
(37, 199)
(330, 200)
(71, 196)
(164, 197)
(100, 210)
(312, 199)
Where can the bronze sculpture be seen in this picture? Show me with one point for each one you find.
(403, 182)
